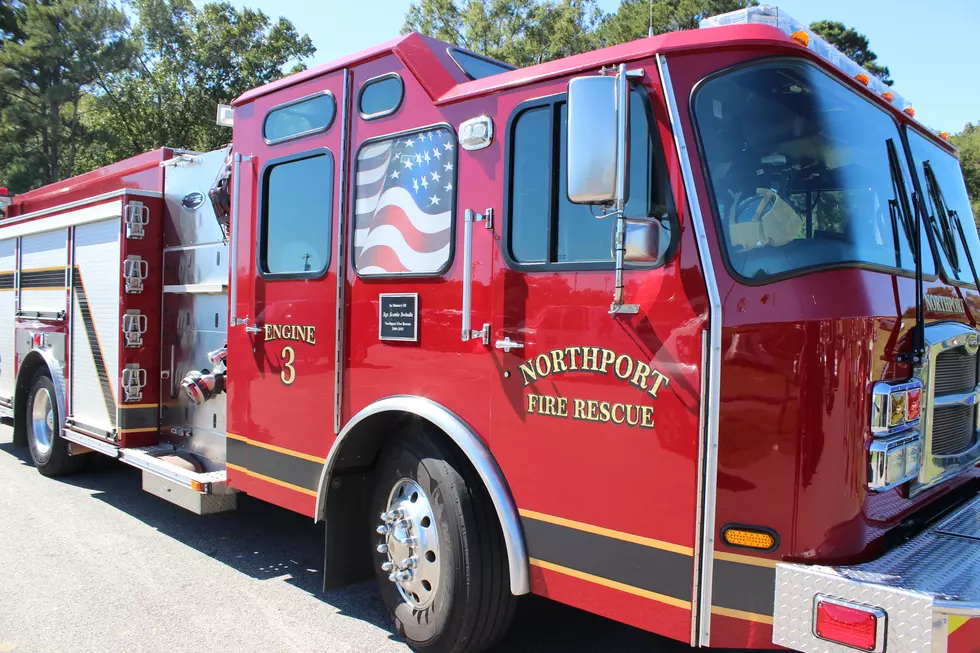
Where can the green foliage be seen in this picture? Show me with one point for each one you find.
(853, 44)
(52, 54)
(526, 32)
(191, 60)
(634, 18)
(968, 142)
(521, 32)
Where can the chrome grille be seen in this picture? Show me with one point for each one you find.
(956, 371)
(952, 430)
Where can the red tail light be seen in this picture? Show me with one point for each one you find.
(858, 626)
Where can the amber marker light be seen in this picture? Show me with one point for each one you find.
(801, 37)
(863, 78)
(944, 135)
(910, 112)
(199, 486)
(749, 538)
(888, 95)
(896, 408)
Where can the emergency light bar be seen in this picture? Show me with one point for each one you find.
(770, 15)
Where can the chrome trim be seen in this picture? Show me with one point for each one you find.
(957, 399)
(77, 203)
(881, 619)
(710, 394)
(236, 179)
(384, 112)
(942, 337)
(308, 132)
(878, 479)
(55, 371)
(339, 344)
(475, 451)
(880, 395)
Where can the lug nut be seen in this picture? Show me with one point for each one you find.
(404, 523)
(409, 541)
(395, 513)
(404, 576)
(409, 563)
(387, 566)
(383, 529)
(392, 577)
(382, 548)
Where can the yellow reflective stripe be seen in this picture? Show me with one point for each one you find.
(598, 580)
(741, 614)
(269, 479)
(606, 532)
(272, 447)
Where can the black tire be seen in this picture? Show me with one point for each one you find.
(471, 606)
(49, 451)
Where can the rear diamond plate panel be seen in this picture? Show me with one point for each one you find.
(940, 564)
(909, 627)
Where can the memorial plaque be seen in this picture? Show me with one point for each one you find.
(399, 317)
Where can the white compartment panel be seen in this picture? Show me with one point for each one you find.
(95, 324)
(44, 254)
(8, 249)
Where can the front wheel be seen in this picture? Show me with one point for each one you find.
(440, 560)
(49, 450)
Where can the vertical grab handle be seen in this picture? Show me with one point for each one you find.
(467, 332)
(469, 217)
(236, 178)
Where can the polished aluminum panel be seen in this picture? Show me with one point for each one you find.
(193, 325)
(195, 305)
(189, 217)
(937, 571)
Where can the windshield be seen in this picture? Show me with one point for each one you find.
(805, 173)
(946, 203)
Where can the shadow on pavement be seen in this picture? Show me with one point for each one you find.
(265, 541)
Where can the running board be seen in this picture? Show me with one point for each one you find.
(199, 492)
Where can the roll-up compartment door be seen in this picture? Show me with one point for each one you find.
(43, 260)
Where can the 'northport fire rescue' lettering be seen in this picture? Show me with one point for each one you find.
(638, 374)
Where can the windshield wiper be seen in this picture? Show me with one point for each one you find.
(914, 234)
(943, 225)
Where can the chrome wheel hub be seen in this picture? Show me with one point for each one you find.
(410, 550)
(42, 421)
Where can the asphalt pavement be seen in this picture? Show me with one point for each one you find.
(91, 563)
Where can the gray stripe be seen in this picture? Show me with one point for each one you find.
(744, 587)
(655, 570)
(280, 466)
(138, 418)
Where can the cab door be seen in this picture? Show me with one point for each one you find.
(281, 359)
(595, 420)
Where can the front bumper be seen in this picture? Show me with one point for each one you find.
(928, 587)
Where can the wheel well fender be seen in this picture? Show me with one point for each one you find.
(361, 439)
(36, 359)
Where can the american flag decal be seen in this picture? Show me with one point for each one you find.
(404, 203)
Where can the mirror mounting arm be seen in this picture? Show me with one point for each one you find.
(619, 305)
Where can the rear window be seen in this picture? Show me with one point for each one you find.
(309, 115)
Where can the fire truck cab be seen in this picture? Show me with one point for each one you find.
(682, 332)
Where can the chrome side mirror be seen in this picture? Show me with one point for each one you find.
(643, 240)
(593, 140)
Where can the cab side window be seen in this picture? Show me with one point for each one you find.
(544, 229)
(296, 215)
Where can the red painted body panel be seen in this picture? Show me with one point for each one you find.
(141, 172)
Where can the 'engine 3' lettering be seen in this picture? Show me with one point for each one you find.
(296, 332)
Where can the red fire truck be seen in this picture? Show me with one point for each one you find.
(682, 332)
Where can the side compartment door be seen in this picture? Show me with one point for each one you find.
(595, 419)
(281, 362)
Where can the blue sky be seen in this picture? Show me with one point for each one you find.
(929, 46)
